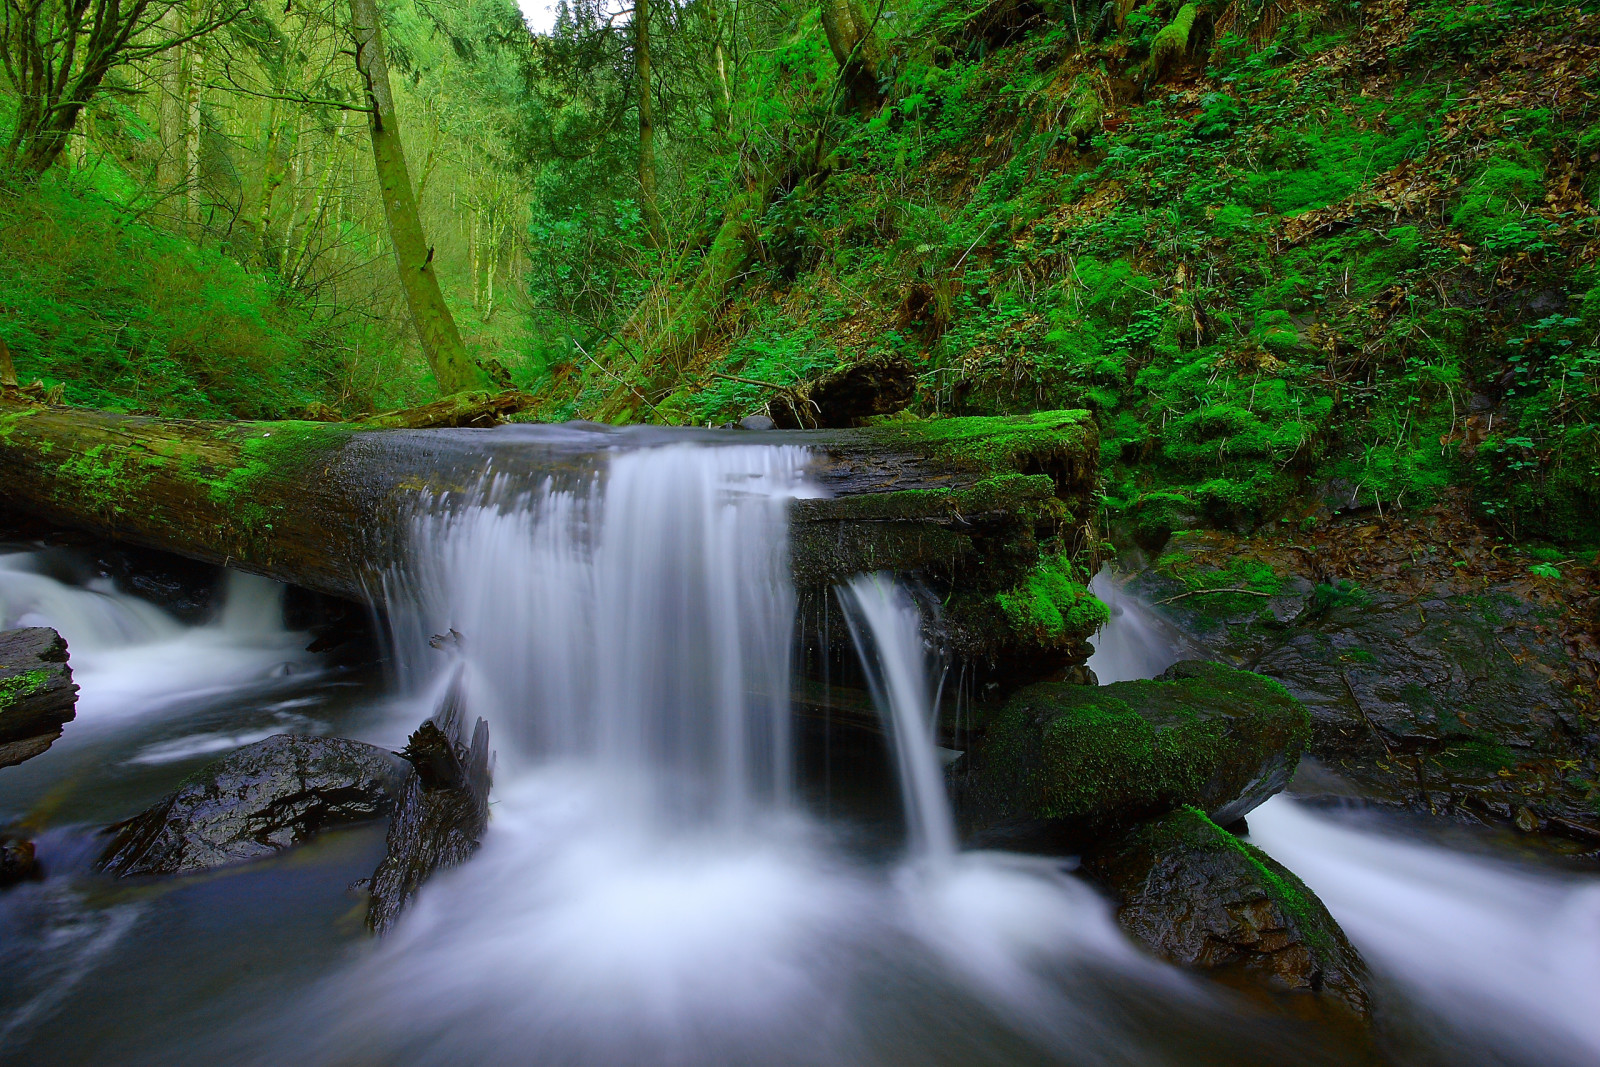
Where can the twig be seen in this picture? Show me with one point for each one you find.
(1199, 592)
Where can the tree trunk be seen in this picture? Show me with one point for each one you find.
(654, 227)
(436, 327)
(325, 505)
(8, 370)
(193, 209)
(855, 48)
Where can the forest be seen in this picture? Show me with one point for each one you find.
(810, 533)
(1284, 252)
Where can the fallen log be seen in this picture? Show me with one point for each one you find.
(442, 813)
(37, 694)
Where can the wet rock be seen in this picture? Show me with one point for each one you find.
(1062, 765)
(1439, 677)
(17, 862)
(37, 695)
(442, 813)
(756, 422)
(259, 800)
(1198, 896)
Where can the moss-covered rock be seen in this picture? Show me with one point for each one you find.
(1196, 895)
(1062, 765)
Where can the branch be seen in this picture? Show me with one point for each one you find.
(1203, 592)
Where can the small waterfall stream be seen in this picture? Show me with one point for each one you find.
(654, 888)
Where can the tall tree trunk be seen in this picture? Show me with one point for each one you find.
(436, 327)
(8, 372)
(855, 48)
(647, 132)
(191, 140)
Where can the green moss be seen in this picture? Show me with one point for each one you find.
(1095, 756)
(1172, 41)
(1050, 606)
(17, 686)
(1062, 444)
(100, 478)
(1291, 895)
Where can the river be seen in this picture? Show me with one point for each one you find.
(667, 879)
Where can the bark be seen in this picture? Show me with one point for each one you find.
(855, 48)
(8, 371)
(37, 696)
(171, 172)
(325, 505)
(436, 327)
(654, 227)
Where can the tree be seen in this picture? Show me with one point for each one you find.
(56, 55)
(855, 48)
(436, 328)
(654, 227)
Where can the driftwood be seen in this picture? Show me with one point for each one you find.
(325, 505)
(443, 809)
(37, 695)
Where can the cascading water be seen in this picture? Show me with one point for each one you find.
(1489, 947)
(1135, 642)
(129, 657)
(887, 630)
(650, 890)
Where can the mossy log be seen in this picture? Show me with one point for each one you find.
(964, 503)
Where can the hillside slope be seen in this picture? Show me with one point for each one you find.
(1291, 255)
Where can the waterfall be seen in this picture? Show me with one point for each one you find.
(887, 630)
(130, 658)
(1134, 643)
(637, 618)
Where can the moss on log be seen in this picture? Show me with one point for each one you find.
(964, 503)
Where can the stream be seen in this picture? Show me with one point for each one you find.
(667, 877)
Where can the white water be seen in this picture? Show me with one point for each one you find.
(1135, 642)
(649, 890)
(887, 630)
(1505, 954)
(130, 658)
(1508, 953)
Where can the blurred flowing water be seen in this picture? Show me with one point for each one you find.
(654, 887)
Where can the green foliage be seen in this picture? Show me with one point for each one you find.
(125, 316)
(1051, 606)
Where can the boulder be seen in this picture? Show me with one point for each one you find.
(18, 863)
(37, 695)
(1196, 895)
(443, 809)
(255, 802)
(1063, 765)
(1441, 675)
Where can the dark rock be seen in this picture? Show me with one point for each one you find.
(37, 696)
(18, 862)
(1066, 764)
(255, 802)
(1441, 680)
(756, 422)
(847, 396)
(443, 810)
(1198, 896)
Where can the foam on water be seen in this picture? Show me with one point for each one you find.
(649, 889)
(130, 658)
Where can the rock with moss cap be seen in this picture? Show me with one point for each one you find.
(1195, 894)
(1062, 765)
